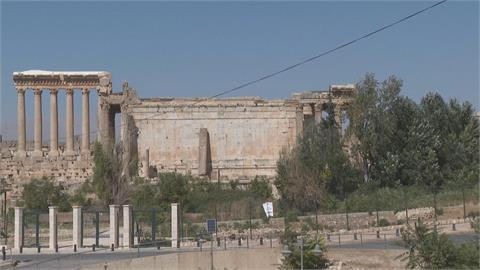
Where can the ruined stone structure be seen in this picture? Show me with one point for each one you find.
(225, 139)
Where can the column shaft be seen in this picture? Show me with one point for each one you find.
(77, 226)
(114, 225)
(18, 234)
(53, 123)
(37, 150)
(21, 151)
(127, 226)
(53, 228)
(69, 124)
(85, 122)
(175, 223)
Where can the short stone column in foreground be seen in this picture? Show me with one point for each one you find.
(114, 225)
(146, 163)
(127, 226)
(53, 228)
(77, 226)
(175, 218)
(18, 234)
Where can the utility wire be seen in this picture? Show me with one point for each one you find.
(305, 61)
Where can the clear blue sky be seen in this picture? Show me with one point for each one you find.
(200, 48)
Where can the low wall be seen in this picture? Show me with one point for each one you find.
(262, 258)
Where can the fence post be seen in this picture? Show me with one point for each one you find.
(225, 242)
(261, 241)
(271, 241)
(127, 226)
(18, 235)
(77, 226)
(378, 234)
(4, 254)
(385, 239)
(114, 235)
(97, 229)
(239, 241)
(53, 228)
(218, 241)
(37, 229)
(175, 221)
(355, 236)
(339, 239)
(361, 239)
(397, 232)
(454, 228)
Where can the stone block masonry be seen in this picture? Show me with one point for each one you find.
(218, 139)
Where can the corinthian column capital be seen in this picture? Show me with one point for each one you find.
(85, 91)
(38, 91)
(53, 91)
(21, 90)
(69, 91)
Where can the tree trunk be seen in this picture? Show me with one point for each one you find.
(463, 198)
(435, 209)
(346, 213)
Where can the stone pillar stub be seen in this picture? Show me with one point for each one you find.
(127, 226)
(53, 227)
(18, 230)
(175, 219)
(77, 226)
(318, 113)
(146, 163)
(53, 123)
(37, 140)
(114, 225)
(203, 152)
(22, 143)
(85, 122)
(69, 124)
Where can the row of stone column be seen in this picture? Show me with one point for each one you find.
(69, 151)
(77, 239)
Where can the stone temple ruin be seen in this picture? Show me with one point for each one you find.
(219, 139)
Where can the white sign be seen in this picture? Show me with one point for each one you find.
(268, 208)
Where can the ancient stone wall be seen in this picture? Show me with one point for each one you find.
(245, 135)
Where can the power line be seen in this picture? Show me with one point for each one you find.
(305, 61)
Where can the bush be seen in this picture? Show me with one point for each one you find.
(430, 250)
(291, 216)
(310, 260)
(383, 223)
(439, 211)
(39, 194)
(473, 214)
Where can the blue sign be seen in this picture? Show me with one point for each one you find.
(211, 225)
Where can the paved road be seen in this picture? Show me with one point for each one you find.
(67, 260)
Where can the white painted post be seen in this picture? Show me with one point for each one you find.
(77, 226)
(18, 241)
(175, 219)
(53, 229)
(114, 225)
(127, 226)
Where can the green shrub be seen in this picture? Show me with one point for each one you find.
(383, 222)
(291, 216)
(439, 211)
(41, 193)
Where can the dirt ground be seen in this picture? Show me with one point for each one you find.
(456, 212)
(367, 258)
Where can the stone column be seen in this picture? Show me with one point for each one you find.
(175, 219)
(114, 225)
(53, 228)
(318, 113)
(53, 123)
(37, 149)
(77, 226)
(127, 226)
(22, 143)
(146, 163)
(18, 234)
(69, 124)
(203, 152)
(85, 122)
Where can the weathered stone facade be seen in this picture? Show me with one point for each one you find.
(226, 139)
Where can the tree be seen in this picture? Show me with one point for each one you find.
(429, 249)
(39, 194)
(109, 183)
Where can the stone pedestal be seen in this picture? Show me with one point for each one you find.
(53, 227)
(114, 225)
(18, 234)
(175, 219)
(127, 226)
(77, 226)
